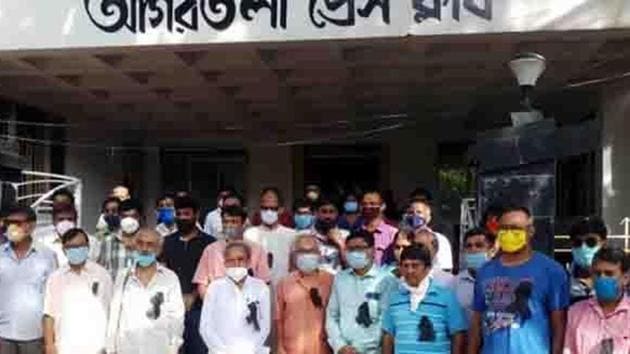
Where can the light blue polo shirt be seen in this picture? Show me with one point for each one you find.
(22, 285)
(440, 306)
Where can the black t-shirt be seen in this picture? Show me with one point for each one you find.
(182, 257)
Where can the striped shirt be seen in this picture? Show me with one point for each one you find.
(114, 256)
(440, 307)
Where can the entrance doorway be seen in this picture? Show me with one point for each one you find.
(339, 169)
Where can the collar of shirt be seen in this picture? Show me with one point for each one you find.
(8, 250)
(160, 271)
(380, 228)
(372, 273)
(431, 291)
(624, 306)
(87, 268)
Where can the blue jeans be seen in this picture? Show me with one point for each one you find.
(193, 343)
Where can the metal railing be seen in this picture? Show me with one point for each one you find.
(38, 188)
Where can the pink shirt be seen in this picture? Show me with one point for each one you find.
(383, 237)
(587, 327)
(211, 265)
(302, 322)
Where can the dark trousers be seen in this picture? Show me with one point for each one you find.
(193, 344)
(21, 347)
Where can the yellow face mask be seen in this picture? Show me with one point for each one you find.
(512, 241)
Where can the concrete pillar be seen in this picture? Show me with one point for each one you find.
(152, 182)
(615, 155)
(269, 166)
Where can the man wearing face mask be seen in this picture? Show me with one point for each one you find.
(211, 266)
(109, 221)
(300, 302)
(422, 317)
(587, 235)
(24, 269)
(117, 248)
(331, 238)
(358, 299)
(273, 237)
(303, 217)
(372, 207)
(600, 324)
(521, 296)
(181, 253)
(213, 223)
(78, 290)
(419, 215)
(65, 218)
(147, 309)
(477, 246)
(312, 193)
(351, 218)
(236, 311)
(165, 215)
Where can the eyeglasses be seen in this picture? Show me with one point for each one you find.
(269, 208)
(590, 242)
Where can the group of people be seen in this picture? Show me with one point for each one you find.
(323, 278)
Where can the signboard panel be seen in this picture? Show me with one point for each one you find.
(39, 24)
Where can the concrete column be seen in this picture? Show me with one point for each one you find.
(615, 155)
(151, 183)
(269, 166)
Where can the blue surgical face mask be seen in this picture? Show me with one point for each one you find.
(303, 221)
(607, 289)
(351, 207)
(143, 259)
(415, 221)
(357, 259)
(166, 216)
(475, 260)
(583, 255)
(307, 263)
(77, 255)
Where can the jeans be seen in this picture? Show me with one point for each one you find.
(193, 343)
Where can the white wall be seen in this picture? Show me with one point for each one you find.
(615, 155)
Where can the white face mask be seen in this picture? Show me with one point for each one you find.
(129, 225)
(269, 217)
(64, 226)
(236, 273)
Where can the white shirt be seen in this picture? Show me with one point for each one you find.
(465, 290)
(71, 298)
(224, 327)
(444, 257)
(278, 243)
(213, 225)
(442, 278)
(53, 241)
(130, 329)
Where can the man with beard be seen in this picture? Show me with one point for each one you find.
(181, 253)
(331, 239)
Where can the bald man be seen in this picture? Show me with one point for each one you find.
(301, 299)
(147, 310)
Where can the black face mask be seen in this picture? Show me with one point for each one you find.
(185, 226)
(113, 221)
(324, 226)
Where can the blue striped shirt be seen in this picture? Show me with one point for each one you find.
(440, 306)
